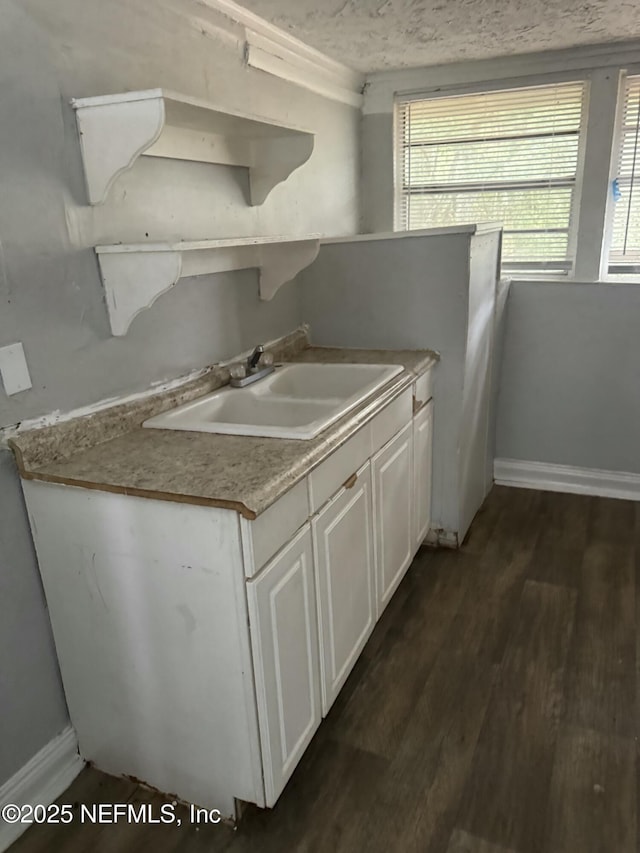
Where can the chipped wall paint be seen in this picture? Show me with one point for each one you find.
(155, 388)
(58, 416)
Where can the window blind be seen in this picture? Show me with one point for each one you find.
(508, 156)
(624, 253)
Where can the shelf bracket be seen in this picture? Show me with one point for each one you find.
(274, 160)
(282, 263)
(133, 282)
(112, 137)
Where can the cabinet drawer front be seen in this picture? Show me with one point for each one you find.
(344, 564)
(423, 391)
(328, 477)
(391, 419)
(391, 471)
(277, 525)
(284, 640)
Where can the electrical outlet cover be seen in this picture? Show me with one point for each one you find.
(14, 370)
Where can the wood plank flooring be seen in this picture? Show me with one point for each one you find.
(494, 709)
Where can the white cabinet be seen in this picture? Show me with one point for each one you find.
(393, 517)
(284, 641)
(200, 649)
(422, 451)
(343, 547)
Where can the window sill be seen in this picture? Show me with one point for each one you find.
(556, 280)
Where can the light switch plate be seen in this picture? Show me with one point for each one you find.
(13, 369)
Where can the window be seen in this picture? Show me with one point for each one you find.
(624, 253)
(508, 156)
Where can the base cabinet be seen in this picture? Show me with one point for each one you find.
(284, 641)
(393, 519)
(422, 465)
(343, 545)
(200, 649)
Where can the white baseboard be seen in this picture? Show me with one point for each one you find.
(565, 478)
(41, 780)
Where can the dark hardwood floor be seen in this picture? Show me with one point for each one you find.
(492, 711)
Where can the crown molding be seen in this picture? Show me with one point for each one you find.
(276, 52)
(267, 54)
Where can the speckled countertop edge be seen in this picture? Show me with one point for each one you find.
(243, 473)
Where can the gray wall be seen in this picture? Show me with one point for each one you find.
(51, 52)
(412, 293)
(570, 381)
(32, 706)
(377, 172)
(50, 292)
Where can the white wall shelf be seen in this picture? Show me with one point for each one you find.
(117, 129)
(135, 275)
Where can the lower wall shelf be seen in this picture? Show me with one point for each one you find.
(135, 275)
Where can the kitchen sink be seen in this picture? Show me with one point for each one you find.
(296, 401)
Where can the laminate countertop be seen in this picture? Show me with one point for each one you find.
(243, 473)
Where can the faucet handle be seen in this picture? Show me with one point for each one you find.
(238, 370)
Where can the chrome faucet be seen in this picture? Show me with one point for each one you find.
(244, 373)
(254, 358)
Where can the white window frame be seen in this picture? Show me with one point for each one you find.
(630, 278)
(592, 207)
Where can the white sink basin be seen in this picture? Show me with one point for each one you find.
(297, 401)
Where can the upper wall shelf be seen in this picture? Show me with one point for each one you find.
(116, 129)
(135, 275)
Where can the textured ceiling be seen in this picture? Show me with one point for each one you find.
(372, 35)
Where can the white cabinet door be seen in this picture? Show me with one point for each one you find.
(284, 639)
(343, 545)
(393, 513)
(422, 444)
